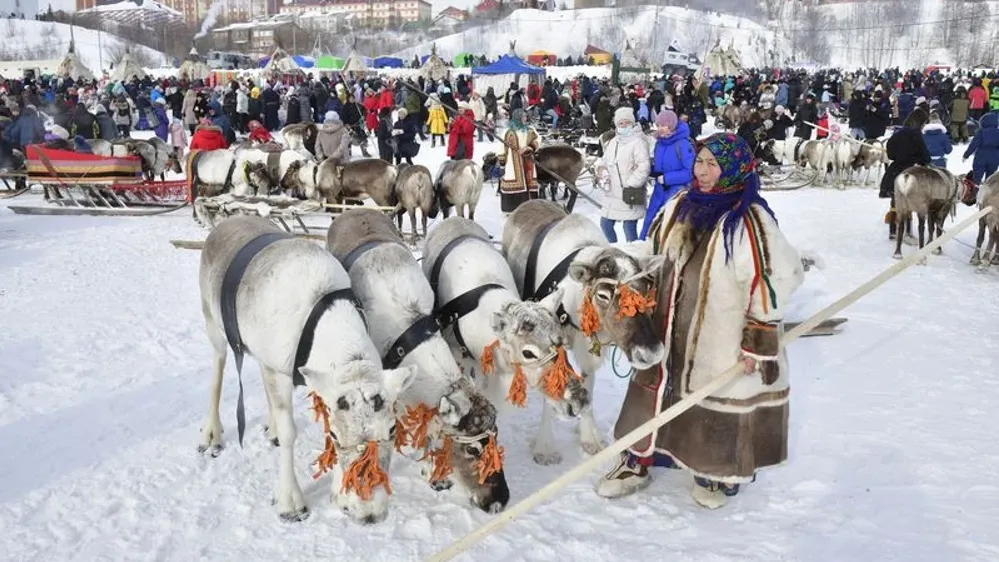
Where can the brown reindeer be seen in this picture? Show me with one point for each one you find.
(360, 179)
(414, 188)
(928, 191)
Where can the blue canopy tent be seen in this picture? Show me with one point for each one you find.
(501, 73)
(302, 62)
(388, 62)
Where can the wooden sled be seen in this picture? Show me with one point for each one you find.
(286, 212)
(827, 328)
(132, 211)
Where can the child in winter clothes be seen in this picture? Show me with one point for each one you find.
(823, 123)
(178, 137)
(437, 120)
(258, 133)
(937, 142)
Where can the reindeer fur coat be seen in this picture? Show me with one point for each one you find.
(731, 312)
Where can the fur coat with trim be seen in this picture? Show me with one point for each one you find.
(731, 306)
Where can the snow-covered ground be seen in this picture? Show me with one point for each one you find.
(104, 375)
(41, 40)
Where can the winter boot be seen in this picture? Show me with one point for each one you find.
(712, 495)
(625, 479)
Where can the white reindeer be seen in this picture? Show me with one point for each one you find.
(399, 305)
(596, 278)
(988, 194)
(273, 303)
(459, 260)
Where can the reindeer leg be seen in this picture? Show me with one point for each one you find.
(899, 234)
(590, 438)
(922, 235)
(936, 231)
(543, 448)
(471, 212)
(211, 431)
(290, 502)
(271, 428)
(412, 224)
(976, 258)
(423, 218)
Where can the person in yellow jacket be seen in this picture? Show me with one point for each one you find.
(437, 120)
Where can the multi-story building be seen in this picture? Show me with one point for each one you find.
(374, 13)
(258, 37)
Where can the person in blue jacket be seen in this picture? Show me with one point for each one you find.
(672, 165)
(985, 147)
(937, 141)
(162, 121)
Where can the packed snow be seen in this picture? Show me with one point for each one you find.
(107, 370)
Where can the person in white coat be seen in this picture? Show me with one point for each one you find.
(626, 165)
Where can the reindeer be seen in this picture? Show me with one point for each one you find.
(459, 185)
(399, 303)
(843, 153)
(930, 192)
(358, 179)
(289, 171)
(871, 156)
(415, 189)
(301, 137)
(566, 162)
(213, 172)
(818, 155)
(478, 300)
(292, 310)
(546, 247)
(988, 195)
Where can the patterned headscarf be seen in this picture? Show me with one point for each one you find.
(735, 191)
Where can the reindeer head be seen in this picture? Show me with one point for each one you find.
(257, 176)
(531, 335)
(173, 163)
(470, 419)
(362, 418)
(299, 179)
(617, 302)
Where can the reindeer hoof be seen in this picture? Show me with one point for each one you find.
(214, 450)
(591, 448)
(922, 262)
(295, 516)
(937, 251)
(975, 261)
(547, 459)
(441, 485)
(897, 257)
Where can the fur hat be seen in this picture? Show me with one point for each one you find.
(666, 118)
(402, 113)
(920, 99)
(779, 109)
(331, 117)
(624, 114)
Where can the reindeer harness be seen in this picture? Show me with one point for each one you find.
(554, 277)
(227, 302)
(421, 330)
(458, 307)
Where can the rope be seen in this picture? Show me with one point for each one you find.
(631, 371)
(716, 384)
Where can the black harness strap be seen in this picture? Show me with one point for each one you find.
(435, 271)
(309, 330)
(530, 271)
(420, 331)
(456, 308)
(359, 251)
(228, 176)
(227, 302)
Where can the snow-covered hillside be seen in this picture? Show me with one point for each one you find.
(40, 40)
(569, 32)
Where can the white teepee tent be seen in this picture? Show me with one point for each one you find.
(71, 66)
(126, 68)
(434, 68)
(720, 62)
(282, 66)
(193, 68)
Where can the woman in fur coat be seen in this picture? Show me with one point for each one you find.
(727, 276)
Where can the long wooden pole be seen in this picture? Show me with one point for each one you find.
(671, 413)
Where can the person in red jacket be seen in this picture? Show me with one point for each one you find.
(385, 98)
(258, 133)
(208, 137)
(977, 99)
(533, 94)
(370, 109)
(461, 141)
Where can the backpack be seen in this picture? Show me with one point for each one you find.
(152, 119)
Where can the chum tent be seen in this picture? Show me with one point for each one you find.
(282, 67)
(720, 62)
(499, 75)
(126, 68)
(356, 64)
(193, 68)
(434, 68)
(71, 66)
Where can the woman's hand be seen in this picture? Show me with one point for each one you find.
(748, 364)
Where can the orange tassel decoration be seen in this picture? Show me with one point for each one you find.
(400, 436)
(557, 376)
(442, 460)
(517, 395)
(415, 425)
(589, 322)
(488, 359)
(327, 458)
(632, 303)
(364, 474)
(490, 461)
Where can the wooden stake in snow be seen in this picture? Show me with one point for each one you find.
(669, 414)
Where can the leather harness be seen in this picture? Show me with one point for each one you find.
(455, 309)
(550, 283)
(417, 333)
(227, 301)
